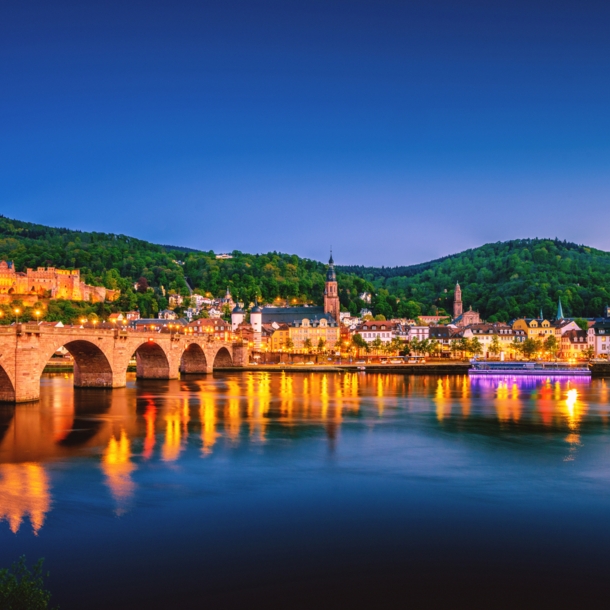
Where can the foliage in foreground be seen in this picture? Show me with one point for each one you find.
(22, 589)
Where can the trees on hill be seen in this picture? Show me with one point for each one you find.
(502, 281)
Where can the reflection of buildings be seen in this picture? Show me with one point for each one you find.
(117, 466)
(24, 492)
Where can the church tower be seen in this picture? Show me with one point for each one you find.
(457, 302)
(331, 292)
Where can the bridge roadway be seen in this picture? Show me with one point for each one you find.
(101, 356)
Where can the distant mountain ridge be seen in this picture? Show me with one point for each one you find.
(502, 280)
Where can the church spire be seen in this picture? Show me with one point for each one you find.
(560, 315)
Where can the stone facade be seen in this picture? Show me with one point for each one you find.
(51, 283)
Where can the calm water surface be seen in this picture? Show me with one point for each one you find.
(312, 490)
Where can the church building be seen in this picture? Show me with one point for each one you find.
(460, 317)
(313, 323)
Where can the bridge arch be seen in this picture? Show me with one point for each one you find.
(7, 389)
(222, 358)
(92, 368)
(151, 361)
(193, 359)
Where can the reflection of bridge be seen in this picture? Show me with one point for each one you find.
(101, 356)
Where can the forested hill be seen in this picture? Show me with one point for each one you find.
(504, 280)
(118, 261)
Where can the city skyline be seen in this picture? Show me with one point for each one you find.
(398, 132)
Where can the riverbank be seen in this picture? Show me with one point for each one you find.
(598, 369)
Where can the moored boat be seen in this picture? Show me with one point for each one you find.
(548, 369)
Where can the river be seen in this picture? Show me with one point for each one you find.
(311, 491)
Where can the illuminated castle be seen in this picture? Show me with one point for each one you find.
(51, 283)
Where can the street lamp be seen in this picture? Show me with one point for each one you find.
(17, 311)
(37, 314)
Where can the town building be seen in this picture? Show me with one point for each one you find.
(601, 330)
(534, 328)
(157, 324)
(485, 333)
(575, 342)
(49, 282)
(167, 314)
(371, 330)
(214, 327)
(306, 331)
(175, 300)
(432, 319)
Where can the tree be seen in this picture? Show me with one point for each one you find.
(321, 345)
(434, 347)
(21, 589)
(464, 346)
(551, 345)
(415, 345)
(289, 344)
(589, 352)
(475, 347)
(517, 347)
(359, 343)
(396, 345)
(529, 347)
(377, 343)
(307, 345)
(380, 317)
(582, 324)
(494, 346)
(455, 348)
(424, 346)
(142, 285)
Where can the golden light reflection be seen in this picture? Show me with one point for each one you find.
(439, 399)
(175, 420)
(207, 414)
(24, 492)
(149, 440)
(117, 466)
(507, 404)
(232, 414)
(380, 401)
(324, 396)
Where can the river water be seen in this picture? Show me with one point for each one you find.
(312, 490)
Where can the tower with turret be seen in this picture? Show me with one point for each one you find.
(331, 292)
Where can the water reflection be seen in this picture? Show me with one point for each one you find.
(24, 492)
(117, 466)
(162, 423)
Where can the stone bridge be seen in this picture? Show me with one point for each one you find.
(101, 356)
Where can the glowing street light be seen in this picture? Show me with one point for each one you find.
(37, 314)
(17, 311)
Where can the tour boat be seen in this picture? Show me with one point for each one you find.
(549, 369)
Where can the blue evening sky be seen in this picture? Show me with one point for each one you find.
(395, 131)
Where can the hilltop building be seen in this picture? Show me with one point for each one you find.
(49, 282)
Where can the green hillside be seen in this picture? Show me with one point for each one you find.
(118, 261)
(502, 280)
